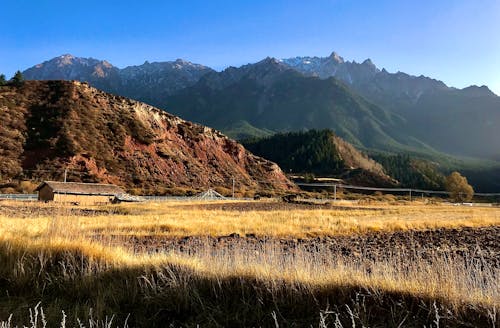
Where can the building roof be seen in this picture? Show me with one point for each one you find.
(78, 188)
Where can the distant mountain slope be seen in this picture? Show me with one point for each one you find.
(321, 153)
(269, 95)
(370, 108)
(149, 82)
(50, 126)
(459, 122)
(435, 113)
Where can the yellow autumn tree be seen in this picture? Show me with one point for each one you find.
(460, 190)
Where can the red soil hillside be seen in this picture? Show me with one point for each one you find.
(48, 126)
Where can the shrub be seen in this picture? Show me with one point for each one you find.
(458, 187)
(135, 191)
(250, 194)
(27, 187)
(8, 190)
(180, 191)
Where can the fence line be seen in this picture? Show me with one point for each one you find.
(486, 194)
(28, 197)
(184, 198)
(19, 196)
(408, 190)
(147, 198)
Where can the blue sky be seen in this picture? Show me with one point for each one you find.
(456, 41)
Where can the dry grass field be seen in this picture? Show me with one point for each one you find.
(250, 264)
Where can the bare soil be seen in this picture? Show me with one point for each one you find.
(28, 210)
(274, 206)
(470, 244)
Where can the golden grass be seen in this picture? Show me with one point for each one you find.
(457, 284)
(179, 219)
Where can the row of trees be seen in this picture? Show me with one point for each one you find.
(421, 174)
(300, 152)
(412, 172)
(17, 79)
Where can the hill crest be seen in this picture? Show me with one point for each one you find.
(99, 137)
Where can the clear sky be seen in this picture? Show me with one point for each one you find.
(456, 41)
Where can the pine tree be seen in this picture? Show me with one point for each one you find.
(2, 79)
(17, 79)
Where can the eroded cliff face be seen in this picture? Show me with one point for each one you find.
(55, 125)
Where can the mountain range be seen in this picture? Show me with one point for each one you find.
(271, 96)
(147, 82)
(435, 114)
(375, 110)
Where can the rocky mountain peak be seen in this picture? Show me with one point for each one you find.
(268, 65)
(371, 70)
(336, 57)
(262, 72)
(479, 91)
(70, 67)
(181, 63)
(66, 59)
(270, 61)
(368, 62)
(106, 64)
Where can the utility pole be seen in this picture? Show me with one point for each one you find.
(335, 193)
(65, 174)
(410, 195)
(233, 186)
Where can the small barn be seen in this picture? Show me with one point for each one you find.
(76, 192)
